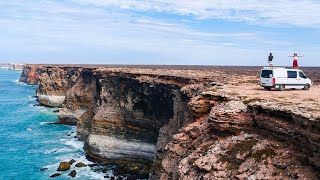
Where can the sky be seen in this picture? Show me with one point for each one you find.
(192, 32)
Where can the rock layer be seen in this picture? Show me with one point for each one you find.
(111, 148)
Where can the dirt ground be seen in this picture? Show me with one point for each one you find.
(305, 101)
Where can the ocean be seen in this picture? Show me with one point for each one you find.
(28, 143)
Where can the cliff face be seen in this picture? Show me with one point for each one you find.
(120, 116)
(80, 103)
(238, 140)
(54, 83)
(30, 74)
(184, 125)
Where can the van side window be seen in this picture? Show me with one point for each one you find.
(302, 75)
(292, 74)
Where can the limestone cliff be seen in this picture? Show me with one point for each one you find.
(120, 115)
(80, 102)
(30, 74)
(54, 83)
(187, 124)
(236, 139)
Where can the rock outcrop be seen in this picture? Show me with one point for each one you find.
(73, 173)
(55, 175)
(64, 166)
(30, 74)
(237, 140)
(120, 115)
(183, 124)
(80, 103)
(54, 83)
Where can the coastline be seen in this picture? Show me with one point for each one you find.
(176, 110)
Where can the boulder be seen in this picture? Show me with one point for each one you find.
(72, 161)
(92, 165)
(64, 166)
(73, 173)
(55, 175)
(80, 164)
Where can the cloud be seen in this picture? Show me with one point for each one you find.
(71, 23)
(113, 32)
(272, 12)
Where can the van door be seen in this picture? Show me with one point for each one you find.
(302, 78)
(292, 81)
(266, 78)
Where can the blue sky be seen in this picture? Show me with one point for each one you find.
(204, 32)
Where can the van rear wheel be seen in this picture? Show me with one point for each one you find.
(268, 88)
(281, 87)
(306, 87)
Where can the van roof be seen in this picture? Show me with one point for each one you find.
(272, 68)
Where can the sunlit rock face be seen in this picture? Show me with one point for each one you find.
(54, 83)
(30, 74)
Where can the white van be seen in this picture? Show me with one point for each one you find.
(282, 78)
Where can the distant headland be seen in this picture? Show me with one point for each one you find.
(11, 66)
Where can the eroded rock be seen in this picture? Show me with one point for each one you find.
(55, 175)
(80, 164)
(64, 166)
(72, 161)
(73, 173)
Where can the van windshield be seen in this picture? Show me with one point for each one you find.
(266, 74)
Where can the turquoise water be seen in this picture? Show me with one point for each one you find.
(27, 143)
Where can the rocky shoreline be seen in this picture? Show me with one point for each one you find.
(182, 124)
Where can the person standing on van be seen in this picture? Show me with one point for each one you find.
(270, 58)
(295, 64)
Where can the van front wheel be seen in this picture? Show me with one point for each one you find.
(306, 87)
(281, 87)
